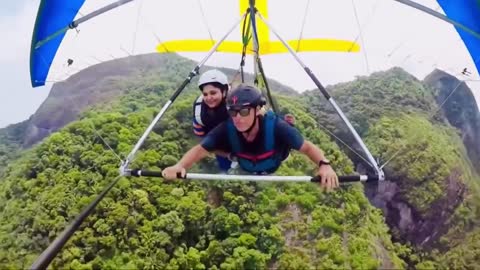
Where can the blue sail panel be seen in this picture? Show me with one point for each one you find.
(52, 16)
(466, 12)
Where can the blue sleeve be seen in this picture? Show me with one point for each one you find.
(288, 135)
(217, 139)
(198, 129)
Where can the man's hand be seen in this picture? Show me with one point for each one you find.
(170, 173)
(328, 177)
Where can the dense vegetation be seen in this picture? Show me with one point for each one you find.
(10, 143)
(146, 223)
(428, 163)
(149, 223)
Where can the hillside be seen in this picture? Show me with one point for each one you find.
(145, 223)
(421, 217)
(432, 197)
(103, 82)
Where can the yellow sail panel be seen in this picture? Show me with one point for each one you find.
(262, 8)
(310, 45)
(271, 47)
(198, 46)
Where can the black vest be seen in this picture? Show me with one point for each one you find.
(207, 117)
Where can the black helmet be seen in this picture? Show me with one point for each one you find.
(245, 96)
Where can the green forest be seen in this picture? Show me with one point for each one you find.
(146, 223)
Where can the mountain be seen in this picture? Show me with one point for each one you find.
(100, 83)
(96, 86)
(419, 218)
(431, 199)
(10, 142)
(148, 223)
(459, 108)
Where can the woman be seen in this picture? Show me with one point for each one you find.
(210, 109)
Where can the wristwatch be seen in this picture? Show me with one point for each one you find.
(323, 162)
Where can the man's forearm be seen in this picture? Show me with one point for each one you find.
(193, 155)
(312, 151)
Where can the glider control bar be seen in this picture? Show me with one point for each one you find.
(268, 178)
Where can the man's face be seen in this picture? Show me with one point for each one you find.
(243, 118)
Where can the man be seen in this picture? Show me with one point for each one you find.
(258, 141)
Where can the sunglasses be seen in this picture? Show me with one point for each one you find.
(243, 112)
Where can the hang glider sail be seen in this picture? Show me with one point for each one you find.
(55, 18)
(266, 45)
(464, 15)
(52, 17)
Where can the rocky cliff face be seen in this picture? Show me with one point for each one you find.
(406, 222)
(460, 109)
(94, 85)
(425, 228)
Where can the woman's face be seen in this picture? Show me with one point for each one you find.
(212, 95)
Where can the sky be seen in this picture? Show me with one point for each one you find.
(391, 35)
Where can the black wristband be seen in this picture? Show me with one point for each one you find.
(323, 162)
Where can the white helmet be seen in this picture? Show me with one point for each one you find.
(213, 76)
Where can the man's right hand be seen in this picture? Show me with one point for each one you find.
(170, 173)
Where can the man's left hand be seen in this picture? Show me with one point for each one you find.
(328, 177)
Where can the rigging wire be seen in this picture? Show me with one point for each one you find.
(260, 73)
(365, 24)
(139, 11)
(430, 118)
(439, 107)
(127, 52)
(303, 25)
(148, 24)
(364, 50)
(204, 18)
(105, 142)
(344, 143)
(446, 99)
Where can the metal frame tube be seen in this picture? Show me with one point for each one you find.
(99, 12)
(192, 74)
(439, 16)
(322, 89)
(81, 20)
(52, 250)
